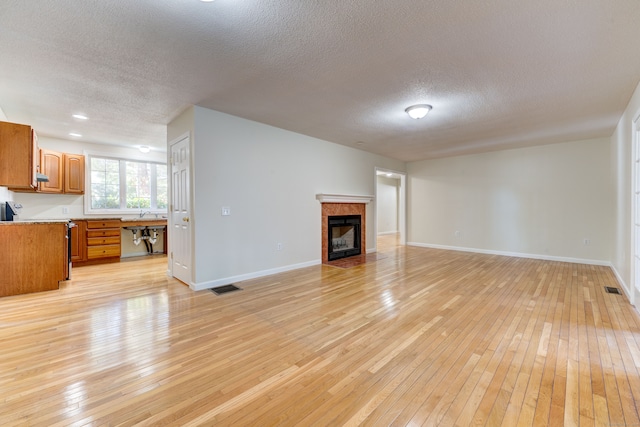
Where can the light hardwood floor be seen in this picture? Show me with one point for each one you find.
(418, 337)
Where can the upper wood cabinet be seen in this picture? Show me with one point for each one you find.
(73, 173)
(51, 165)
(65, 172)
(18, 156)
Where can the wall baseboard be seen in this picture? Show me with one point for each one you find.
(384, 233)
(625, 288)
(514, 254)
(257, 274)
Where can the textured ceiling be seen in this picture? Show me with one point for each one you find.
(499, 73)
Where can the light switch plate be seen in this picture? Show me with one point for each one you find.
(226, 211)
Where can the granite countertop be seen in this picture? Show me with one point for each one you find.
(146, 220)
(34, 221)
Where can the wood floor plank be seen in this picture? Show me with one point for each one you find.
(416, 336)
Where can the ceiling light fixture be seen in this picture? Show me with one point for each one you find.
(418, 111)
(144, 148)
(80, 116)
(74, 134)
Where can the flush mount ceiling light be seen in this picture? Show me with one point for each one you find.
(80, 116)
(75, 134)
(144, 148)
(418, 111)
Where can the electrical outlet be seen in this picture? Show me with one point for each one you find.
(226, 211)
(279, 246)
(457, 234)
(587, 242)
(65, 210)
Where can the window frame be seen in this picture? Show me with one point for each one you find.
(88, 210)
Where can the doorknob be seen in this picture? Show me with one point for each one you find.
(185, 219)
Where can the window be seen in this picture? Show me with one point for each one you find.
(126, 185)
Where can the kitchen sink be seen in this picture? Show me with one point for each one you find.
(137, 219)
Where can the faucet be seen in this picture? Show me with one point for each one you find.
(142, 214)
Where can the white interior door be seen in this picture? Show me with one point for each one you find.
(180, 237)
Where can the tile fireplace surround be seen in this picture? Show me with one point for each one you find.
(336, 205)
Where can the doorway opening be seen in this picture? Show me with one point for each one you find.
(390, 216)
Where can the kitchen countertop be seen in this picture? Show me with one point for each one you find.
(34, 221)
(124, 221)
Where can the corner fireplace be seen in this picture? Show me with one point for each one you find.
(344, 236)
(346, 207)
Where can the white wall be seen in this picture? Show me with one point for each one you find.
(541, 201)
(269, 177)
(621, 162)
(387, 204)
(5, 194)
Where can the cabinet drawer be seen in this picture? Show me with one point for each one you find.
(103, 251)
(106, 232)
(95, 241)
(104, 224)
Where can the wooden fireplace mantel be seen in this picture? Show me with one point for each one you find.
(343, 198)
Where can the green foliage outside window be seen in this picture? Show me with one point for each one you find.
(126, 184)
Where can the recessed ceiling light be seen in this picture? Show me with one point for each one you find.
(206, 1)
(418, 111)
(389, 175)
(74, 134)
(144, 148)
(80, 116)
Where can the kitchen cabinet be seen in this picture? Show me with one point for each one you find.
(18, 156)
(73, 173)
(33, 257)
(65, 172)
(78, 242)
(97, 241)
(51, 165)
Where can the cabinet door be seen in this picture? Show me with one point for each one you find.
(74, 173)
(18, 156)
(51, 165)
(78, 242)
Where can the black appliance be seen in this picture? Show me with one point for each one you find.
(9, 210)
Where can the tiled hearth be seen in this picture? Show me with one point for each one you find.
(338, 205)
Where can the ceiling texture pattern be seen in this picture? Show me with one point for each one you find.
(498, 73)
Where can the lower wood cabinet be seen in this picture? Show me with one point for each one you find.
(78, 242)
(96, 241)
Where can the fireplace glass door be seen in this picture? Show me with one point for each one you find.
(344, 236)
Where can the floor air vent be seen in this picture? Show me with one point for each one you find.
(611, 290)
(225, 289)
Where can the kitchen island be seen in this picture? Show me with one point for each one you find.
(33, 256)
